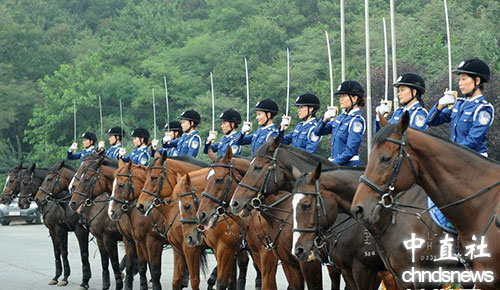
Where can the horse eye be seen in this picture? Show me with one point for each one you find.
(306, 206)
(154, 178)
(49, 179)
(385, 159)
(219, 180)
(11, 181)
(258, 168)
(86, 179)
(187, 207)
(120, 185)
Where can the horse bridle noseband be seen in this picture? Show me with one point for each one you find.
(196, 205)
(221, 209)
(126, 204)
(50, 195)
(89, 200)
(158, 200)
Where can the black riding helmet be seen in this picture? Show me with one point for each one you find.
(413, 81)
(352, 88)
(474, 67)
(309, 100)
(231, 115)
(267, 106)
(141, 133)
(90, 136)
(173, 125)
(191, 115)
(116, 131)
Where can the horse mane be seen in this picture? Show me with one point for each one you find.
(187, 159)
(307, 157)
(383, 133)
(218, 159)
(360, 168)
(106, 162)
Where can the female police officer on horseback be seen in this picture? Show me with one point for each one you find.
(173, 131)
(115, 136)
(348, 128)
(303, 136)
(266, 110)
(230, 122)
(189, 142)
(471, 116)
(140, 154)
(411, 88)
(88, 141)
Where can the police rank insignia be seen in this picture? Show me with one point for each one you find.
(419, 121)
(484, 118)
(357, 127)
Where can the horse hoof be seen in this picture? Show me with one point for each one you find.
(84, 287)
(53, 282)
(62, 283)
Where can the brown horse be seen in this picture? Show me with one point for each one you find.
(462, 184)
(30, 181)
(12, 184)
(93, 187)
(157, 194)
(224, 238)
(129, 180)
(52, 198)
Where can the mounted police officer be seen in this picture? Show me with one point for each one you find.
(411, 88)
(115, 136)
(189, 143)
(173, 131)
(140, 154)
(471, 116)
(348, 128)
(88, 142)
(303, 136)
(229, 125)
(266, 111)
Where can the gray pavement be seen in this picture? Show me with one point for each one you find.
(27, 262)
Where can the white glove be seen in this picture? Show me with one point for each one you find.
(100, 145)
(448, 98)
(212, 135)
(154, 144)
(167, 138)
(382, 109)
(247, 126)
(73, 147)
(122, 152)
(285, 121)
(331, 112)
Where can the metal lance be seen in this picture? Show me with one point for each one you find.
(100, 118)
(368, 80)
(287, 80)
(121, 123)
(213, 101)
(386, 54)
(330, 66)
(393, 48)
(342, 39)
(74, 121)
(154, 114)
(166, 102)
(248, 90)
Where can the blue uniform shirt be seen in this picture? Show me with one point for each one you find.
(113, 151)
(347, 133)
(303, 136)
(221, 146)
(418, 117)
(80, 155)
(139, 156)
(188, 144)
(172, 151)
(470, 122)
(259, 137)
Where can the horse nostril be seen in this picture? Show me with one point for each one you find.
(358, 212)
(140, 207)
(189, 240)
(201, 216)
(235, 204)
(299, 251)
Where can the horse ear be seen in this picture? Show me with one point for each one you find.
(404, 122)
(120, 163)
(276, 142)
(317, 172)
(383, 120)
(129, 163)
(295, 173)
(179, 177)
(211, 154)
(229, 154)
(60, 165)
(163, 156)
(20, 166)
(32, 168)
(188, 179)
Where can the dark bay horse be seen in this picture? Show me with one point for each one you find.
(12, 184)
(52, 197)
(138, 229)
(29, 184)
(93, 187)
(224, 238)
(462, 183)
(157, 195)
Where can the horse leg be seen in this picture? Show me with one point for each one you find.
(112, 250)
(155, 249)
(82, 235)
(242, 259)
(312, 275)
(142, 257)
(212, 279)
(334, 277)
(179, 265)
(293, 276)
(389, 281)
(62, 233)
(268, 269)
(104, 263)
(192, 258)
(130, 256)
(57, 256)
(225, 265)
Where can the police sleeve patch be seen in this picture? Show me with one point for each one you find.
(419, 121)
(484, 117)
(143, 160)
(234, 148)
(357, 127)
(314, 138)
(195, 144)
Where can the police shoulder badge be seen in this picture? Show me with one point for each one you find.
(314, 137)
(143, 160)
(484, 117)
(234, 148)
(195, 143)
(357, 127)
(419, 121)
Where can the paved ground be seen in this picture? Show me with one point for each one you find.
(26, 262)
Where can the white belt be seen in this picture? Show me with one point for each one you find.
(355, 158)
(485, 154)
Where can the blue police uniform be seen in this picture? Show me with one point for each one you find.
(113, 151)
(139, 156)
(80, 155)
(172, 151)
(470, 122)
(347, 133)
(221, 146)
(259, 137)
(303, 136)
(188, 144)
(418, 117)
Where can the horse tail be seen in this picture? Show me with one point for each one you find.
(203, 261)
